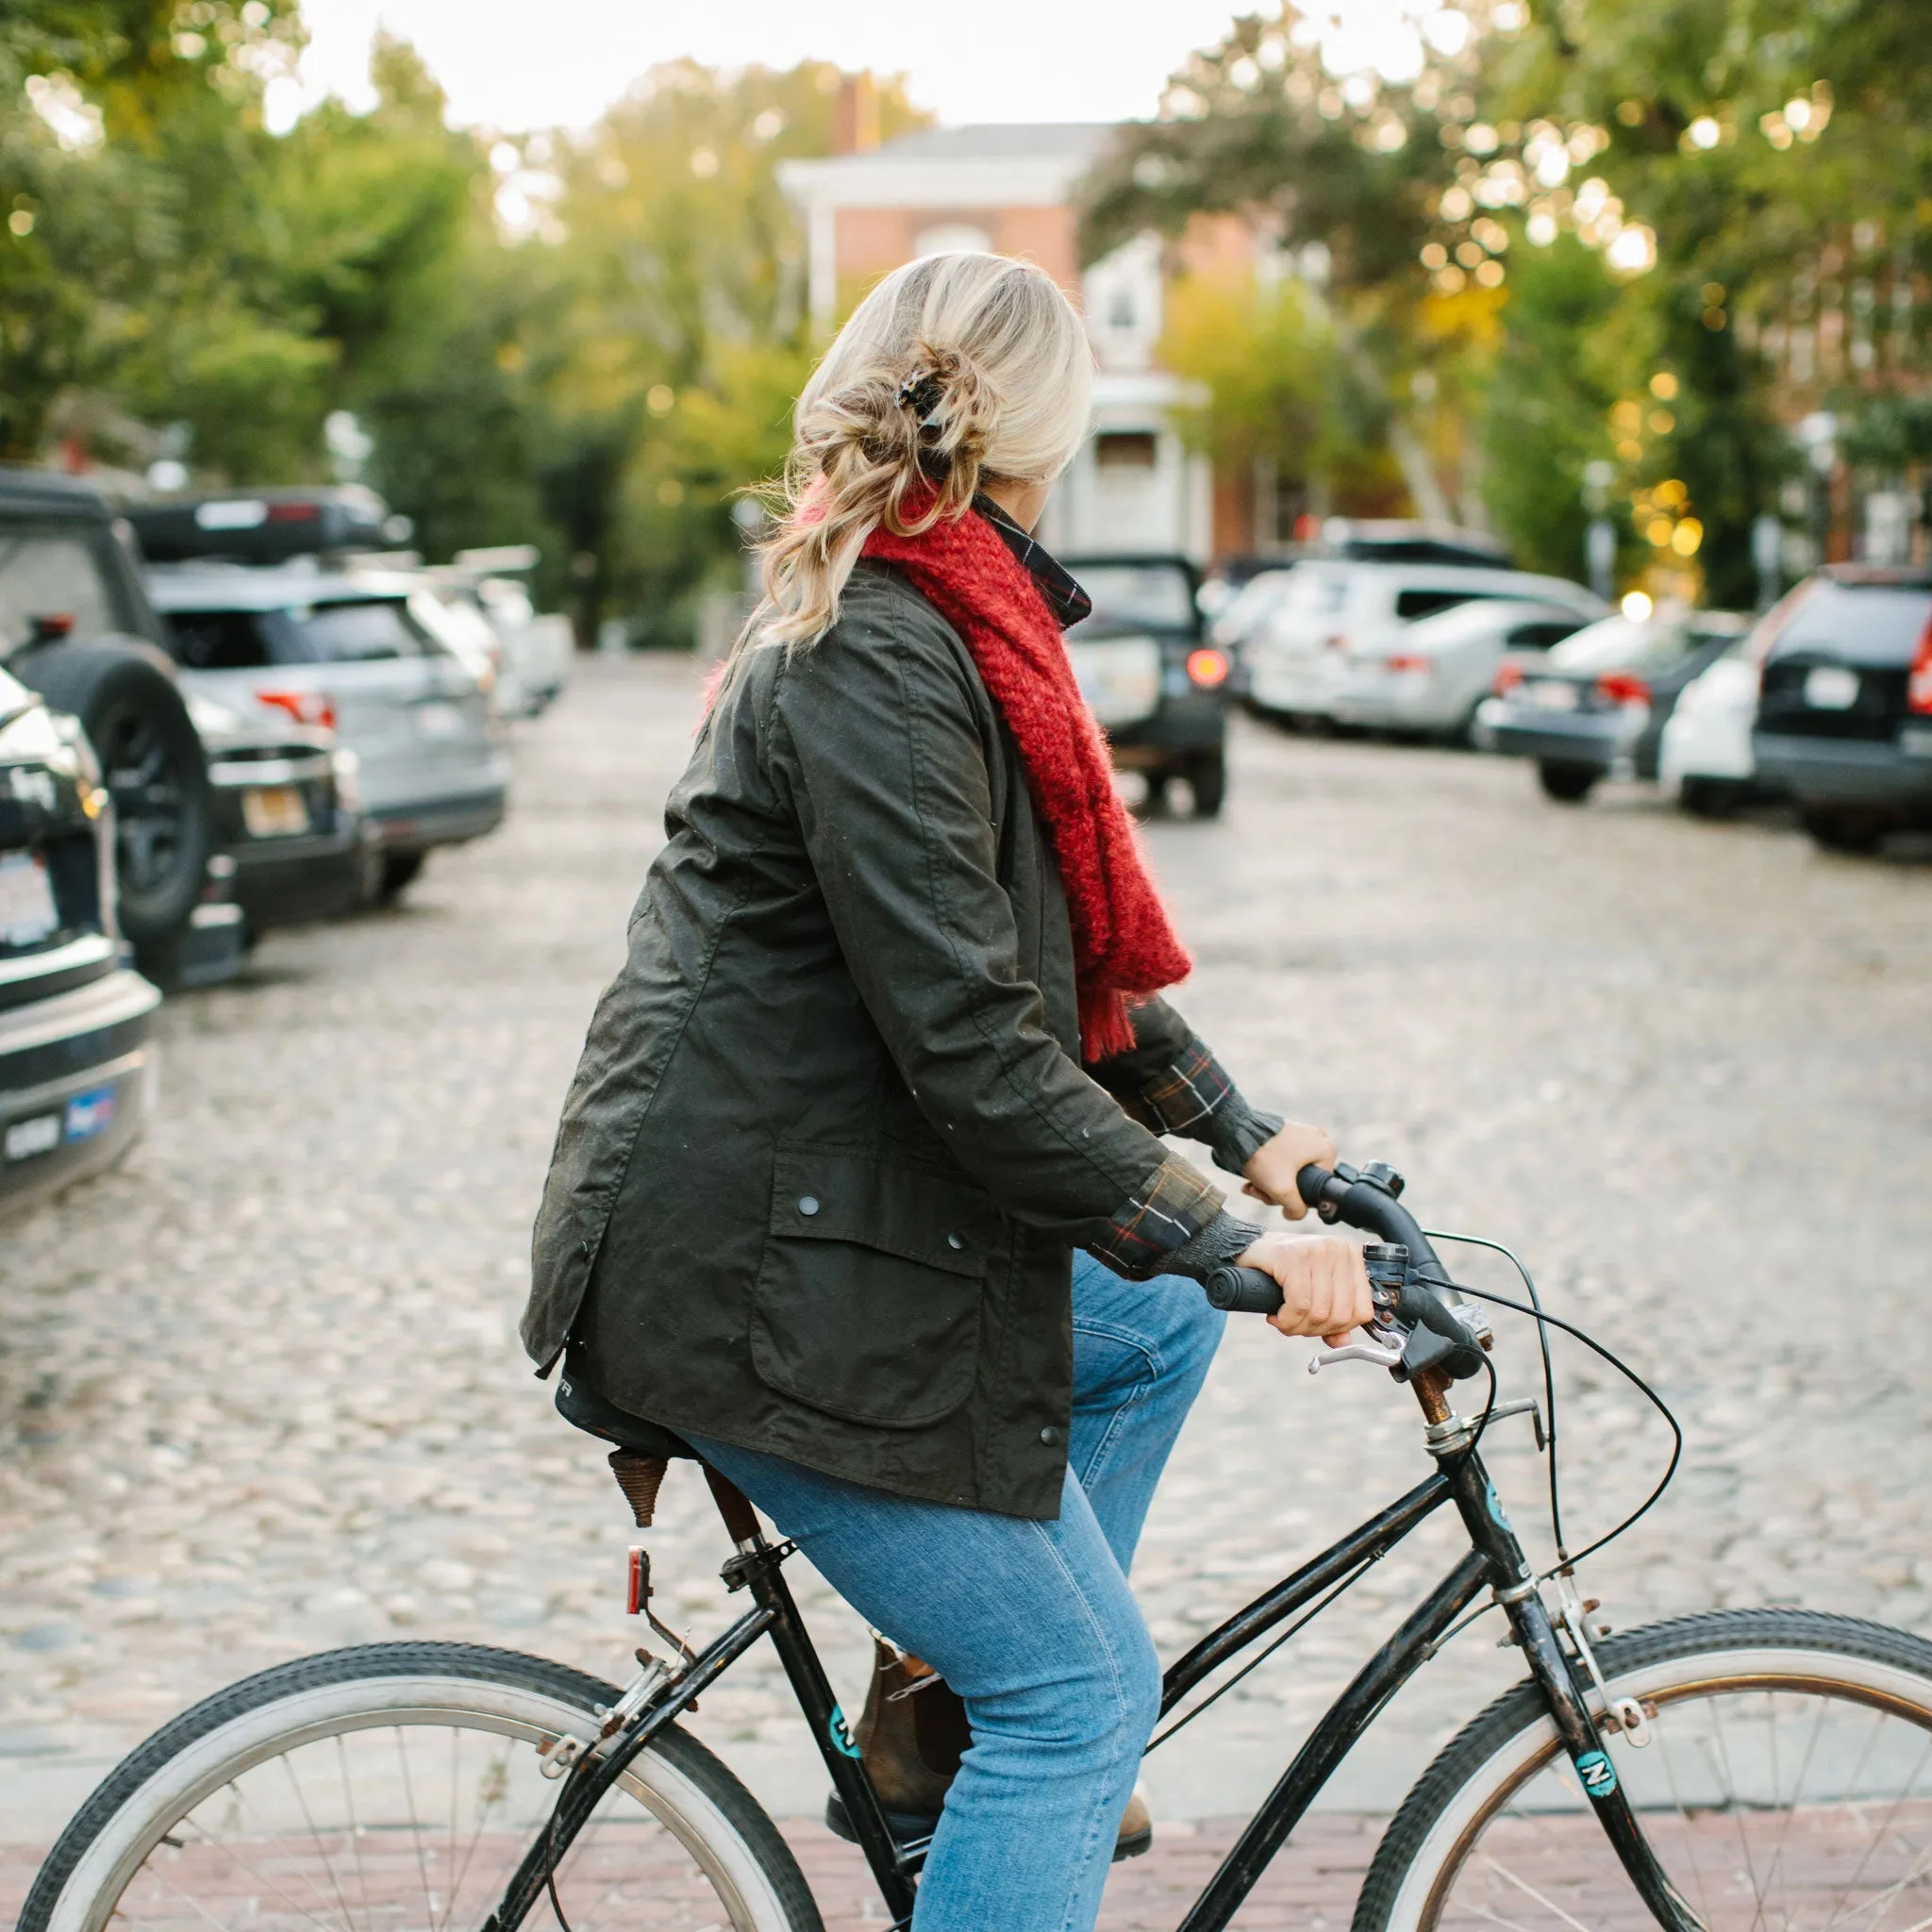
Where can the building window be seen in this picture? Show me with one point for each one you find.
(949, 238)
(1120, 313)
(1124, 449)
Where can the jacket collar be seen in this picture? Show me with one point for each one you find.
(1068, 602)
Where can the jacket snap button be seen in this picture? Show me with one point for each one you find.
(807, 1204)
(956, 1241)
(1049, 1435)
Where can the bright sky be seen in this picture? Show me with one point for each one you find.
(534, 63)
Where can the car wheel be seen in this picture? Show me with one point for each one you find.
(399, 870)
(1570, 784)
(153, 767)
(1842, 831)
(1207, 776)
(1712, 798)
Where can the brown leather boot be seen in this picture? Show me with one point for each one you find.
(912, 1734)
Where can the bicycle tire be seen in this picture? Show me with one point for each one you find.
(1671, 1669)
(205, 1750)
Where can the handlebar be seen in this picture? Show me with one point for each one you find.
(1366, 1199)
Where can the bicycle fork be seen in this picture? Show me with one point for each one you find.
(1515, 1586)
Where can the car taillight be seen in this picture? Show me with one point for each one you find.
(1919, 679)
(294, 513)
(1208, 667)
(1620, 688)
(1409, 663)
(1507, 678)
(304, 706)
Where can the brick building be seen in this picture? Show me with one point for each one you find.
(1009, 188)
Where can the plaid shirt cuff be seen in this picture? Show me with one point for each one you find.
(1194, 1097)
(1158, 1220)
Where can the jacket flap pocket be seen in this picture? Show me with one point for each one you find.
(842, 1195)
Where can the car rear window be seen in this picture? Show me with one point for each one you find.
(221, 640)
(55, 570)
(1875, 622)
(1126, 593)
(1616, 643)
(354, 631)
(1425, 602)
(1541, 634)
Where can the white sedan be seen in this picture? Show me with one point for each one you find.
(1704, 759)
(1430, 676)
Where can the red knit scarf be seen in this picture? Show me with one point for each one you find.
(1122, 942)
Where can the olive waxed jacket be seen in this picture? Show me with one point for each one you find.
(830, 1145)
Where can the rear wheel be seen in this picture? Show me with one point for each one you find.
(1207, 774)
(400, 1785)
(1570, 784)
(1712, 798)
(1840, 831)
(1786, 1784)
(400, 871)
(153, 767)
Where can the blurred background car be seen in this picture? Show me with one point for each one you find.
(288, 816)
(1151, 676)
(1241, 617)
(1428, 677)
(77, 626)
(361, 653)
(1297, 657)
(1596, 703)
(1844, 711)
(1705, 758)
(539, 645)
(76, 1052)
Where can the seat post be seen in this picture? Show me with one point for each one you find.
(740, 1519)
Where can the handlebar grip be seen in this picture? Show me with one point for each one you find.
(1309, 1183)
(1242, 1290)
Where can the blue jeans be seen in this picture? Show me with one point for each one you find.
(1032, 1623)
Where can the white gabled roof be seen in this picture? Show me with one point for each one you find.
(999, 164)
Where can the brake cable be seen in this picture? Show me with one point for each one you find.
(1536, 1311)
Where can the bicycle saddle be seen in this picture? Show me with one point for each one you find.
(644, 1448)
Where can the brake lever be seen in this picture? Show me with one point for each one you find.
(1384, 1349)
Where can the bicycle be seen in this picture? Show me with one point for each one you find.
(1735, 1764)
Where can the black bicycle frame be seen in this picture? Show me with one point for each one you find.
(1495, 1560)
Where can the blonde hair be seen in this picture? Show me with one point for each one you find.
(956, 370)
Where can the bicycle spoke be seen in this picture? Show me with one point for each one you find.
(415, 1826)
(1524, 1886)
(288, 1765)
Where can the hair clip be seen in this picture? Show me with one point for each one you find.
(921, 393)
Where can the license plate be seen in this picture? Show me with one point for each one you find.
(38, 1134)
(27, 912)
(1831, 687)
(1552, 696)
(1120, 678)
(275, 811)
(438, 720)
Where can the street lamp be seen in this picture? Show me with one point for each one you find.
(1600, 539)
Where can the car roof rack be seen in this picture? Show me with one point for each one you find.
(258, 527)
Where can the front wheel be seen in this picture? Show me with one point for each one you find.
(1786, 1784)
(399, 1784)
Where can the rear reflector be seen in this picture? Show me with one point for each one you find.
(1208, 667)
(1620, 688)
(1919, 679)
(306, 707)
(636, 1591)
(1409, 663)
(1507, 678)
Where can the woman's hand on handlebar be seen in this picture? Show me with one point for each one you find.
(1324, 1285)
(1274, 1165)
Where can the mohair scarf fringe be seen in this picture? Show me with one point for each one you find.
(1123, 944)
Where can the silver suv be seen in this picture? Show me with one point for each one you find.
(365, 652)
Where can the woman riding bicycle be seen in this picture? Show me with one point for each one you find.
(858, 1187)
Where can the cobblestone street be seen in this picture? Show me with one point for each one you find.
(260, 1392)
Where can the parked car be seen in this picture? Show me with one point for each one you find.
(1151, 678)
(539, 645)
(1298, 659)
(288, 814)
(1597, 703)
(1429, 676)
(1705, 758)
(1241, 618)
(1845, 715)
(75, 1020)
(76, 628)
(362, 653)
